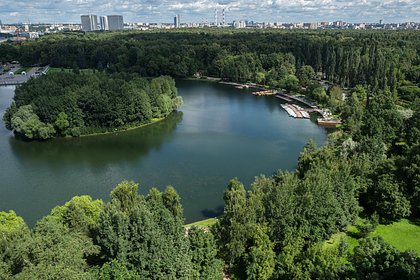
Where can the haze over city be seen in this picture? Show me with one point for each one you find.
(12, 11)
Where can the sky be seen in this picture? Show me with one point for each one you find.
(62, 11)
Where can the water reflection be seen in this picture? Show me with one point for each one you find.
(129, 146)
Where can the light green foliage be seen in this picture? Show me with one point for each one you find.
(62, 122)
(386, 198)
(409, 93)
(320, 95)
(335, 98)
(89, 102)
(381, 119)
(203, 250)
(125, 195)
(172, 202)
(203, 223)
(244, 244)
(373, 258)
(27, 123)
(403, 235)
(52, 251)
(7, 117)
(305, 74)
(80, 213)
(114, 270)
(353, 109)
(231, 227)
(260, 259)
(10, 223)
(143, 234)
(12, 230)
(289, 83)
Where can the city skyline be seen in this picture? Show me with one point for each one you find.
(203, 10)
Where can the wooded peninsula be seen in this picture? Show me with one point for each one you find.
(74, 104)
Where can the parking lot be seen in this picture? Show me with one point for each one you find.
(11, 78)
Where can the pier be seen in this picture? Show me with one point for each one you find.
(295, 111)
(264, 92)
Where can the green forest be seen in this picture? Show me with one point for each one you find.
(73, 104)
(282, 226)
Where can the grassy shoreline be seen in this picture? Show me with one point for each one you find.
(202, 223)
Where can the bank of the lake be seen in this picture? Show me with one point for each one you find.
(219, 133)
(117, 130)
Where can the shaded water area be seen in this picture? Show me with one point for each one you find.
(219, 133)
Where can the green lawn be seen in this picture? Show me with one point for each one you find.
(336, 238)
(403, 235)
(204, 223)
(55, 70)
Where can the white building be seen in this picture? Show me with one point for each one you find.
(115, 22)
(176, 21)
(104, 23)
(239, 24)
(89, 22)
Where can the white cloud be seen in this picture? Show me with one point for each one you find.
(203, 10)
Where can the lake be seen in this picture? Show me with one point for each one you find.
(219, 133)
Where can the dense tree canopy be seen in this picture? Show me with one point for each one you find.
(71, 104)
(275, 229)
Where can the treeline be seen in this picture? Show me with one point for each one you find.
(130, 237)
(375, 58)
(73, 104)
(369, 169)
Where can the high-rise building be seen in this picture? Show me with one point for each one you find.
(115, 22)
(104, 22)
(89, 22)
(176, 21)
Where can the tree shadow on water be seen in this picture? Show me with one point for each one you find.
(212, 213)
(128, 146)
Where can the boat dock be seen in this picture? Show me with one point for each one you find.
(328, 122)
(295, 111)
(285, 98)
(290, 98)
(292, 109)
(264, 92)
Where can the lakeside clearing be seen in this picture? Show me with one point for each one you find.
(403, 235)
(203, 223)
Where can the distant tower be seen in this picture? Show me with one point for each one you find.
(223, 15)
(380, 21)
(176, 21)
(215, 17)
(89, 22)
(104, 22)
(115, 22)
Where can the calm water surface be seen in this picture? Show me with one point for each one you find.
(219, 133)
